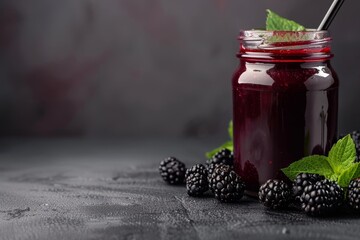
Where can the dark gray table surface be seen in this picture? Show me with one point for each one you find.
(104, 189)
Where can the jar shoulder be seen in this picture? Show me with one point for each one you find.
(283, 76)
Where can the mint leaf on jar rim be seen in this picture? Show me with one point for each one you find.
(274, 22)
(315, 164)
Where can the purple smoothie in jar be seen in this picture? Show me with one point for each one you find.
(285, 102)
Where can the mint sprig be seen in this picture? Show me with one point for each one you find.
(315, 164)
(274, 22)
(339, 166)
(228, 145)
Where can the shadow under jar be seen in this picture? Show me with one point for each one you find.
(285, 102)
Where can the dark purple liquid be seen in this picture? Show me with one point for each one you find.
(282, 112)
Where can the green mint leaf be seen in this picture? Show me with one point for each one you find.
(313, 164)
(228, 145)
(230, 130)
(274, 22)
(347, 175)
(342, 155)
(339, 166)
(357, 173)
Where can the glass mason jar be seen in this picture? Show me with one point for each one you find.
(285, 102)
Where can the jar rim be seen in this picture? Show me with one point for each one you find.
(261, 44)
(310, 34)
(263, 39)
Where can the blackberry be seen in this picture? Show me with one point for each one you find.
(211, 168)
(224, 156)
(322, 198)
(196, 180)
(354, 194)
(226, 184)
(303, 180)
(172, 171)
(275, 194)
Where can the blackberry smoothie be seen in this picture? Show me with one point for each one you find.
(285, 102)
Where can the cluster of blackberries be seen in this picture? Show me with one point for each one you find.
(218, 176)
(315, 195)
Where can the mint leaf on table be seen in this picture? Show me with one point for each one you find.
(315, 164)
(339, 166)
(342, 155)
(274, 22)
(347, 175)
(357, 173)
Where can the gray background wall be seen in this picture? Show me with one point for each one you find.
(136, 68)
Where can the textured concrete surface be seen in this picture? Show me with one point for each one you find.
(75, 189)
